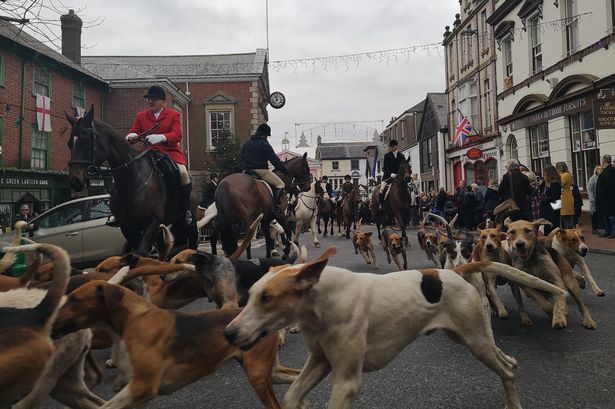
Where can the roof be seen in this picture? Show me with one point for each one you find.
(439, 102)
(339, 150)
(13, 33)
(178, 67)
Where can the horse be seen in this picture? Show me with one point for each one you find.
(397, 202)
(349, 210)
(305, 211)
(326, 212)
(241, 197)
(141, 200)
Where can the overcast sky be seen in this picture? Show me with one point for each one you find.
(374, 91)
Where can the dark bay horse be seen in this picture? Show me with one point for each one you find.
(326, 213)
(140, 198)
(349, 210)
(240, 197)
(397, 203)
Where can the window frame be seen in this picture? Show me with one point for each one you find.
(81, 87)
(2, 70)
(507, 59)
(488, 110)
(210, 131)
(535, 43)
(335, 165)
(539, 136)
(35, 82)
(572, 26)
(43, 137)
(483, 19)
(358, 163)
(584, 158)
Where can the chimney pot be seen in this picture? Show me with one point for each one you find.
(71, 36)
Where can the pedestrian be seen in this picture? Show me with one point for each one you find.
(440, 202)
(591, 193)
(551, 199)
(479, 211)
(516, 186)
(491, 199)
(162, 128)
(392, 160)
(567, 210)
(469, 205)
(256, 154)
(23, 215)
(605, 197)
(536, 195)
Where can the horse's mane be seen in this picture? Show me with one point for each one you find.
(292, 159)
(108, 129)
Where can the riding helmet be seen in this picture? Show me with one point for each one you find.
(156, 92)
(263, 130)
(392, 143)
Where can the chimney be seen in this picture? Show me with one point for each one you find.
(318, 140)
(71, 36)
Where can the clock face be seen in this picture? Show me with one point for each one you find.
(277, 100)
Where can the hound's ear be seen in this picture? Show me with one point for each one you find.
(579, 228)
(310, 272)
(130, 259)
(111, 296)
(203, 258)
(542, 222)
(71, 119)
(304, 155)
(507, 222)
(369, 234)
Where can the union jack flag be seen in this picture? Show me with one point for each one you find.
(463, 130)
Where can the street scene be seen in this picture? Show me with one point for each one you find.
(307, 204)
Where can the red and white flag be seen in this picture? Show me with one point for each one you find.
(79, 112)
(43, 113)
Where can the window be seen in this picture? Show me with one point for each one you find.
(469, 46)
(468, 103)
(42, 82)
(78, 95)
(69, 214)
(536, 43)
(335, 165)
(219, 127)
(451, 60)
(1, 70)
(429, 159)
(539, 141)
(507, 56)
(354, 164)
(612, 14)
(485, 27)
(585, 152)
(511, 145)
(39, 149)
(572, 26)
(1, 137)
(488, 107)
(100, 208)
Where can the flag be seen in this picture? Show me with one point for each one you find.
(43, 113)
(371, 159)
(79, 112)
(463, 130)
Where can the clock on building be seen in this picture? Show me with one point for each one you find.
(277, 100)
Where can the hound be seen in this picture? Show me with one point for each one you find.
(427, 242)
(393, 245)
(25, 345)
(570, 244)
(362, 242)
(529, 255)
(349, 329)
(169, 349)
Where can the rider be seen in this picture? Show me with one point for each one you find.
(256, 152)
(392, 160)
(162, 126)
(328, 187)
(210, 191)
(347, 187)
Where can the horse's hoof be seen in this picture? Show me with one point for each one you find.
(317, 245)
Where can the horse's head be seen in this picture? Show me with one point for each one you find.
(299, 169)
(87, 149)
(405, 172)
(318, 188)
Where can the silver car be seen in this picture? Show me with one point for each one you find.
(78, 226)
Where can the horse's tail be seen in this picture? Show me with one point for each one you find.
(225, 219)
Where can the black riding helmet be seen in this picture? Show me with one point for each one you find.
(263, 130)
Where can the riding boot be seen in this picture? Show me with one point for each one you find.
(185, 203)
(381, 199)
(277, 197)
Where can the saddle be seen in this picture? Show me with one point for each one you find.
(256, 176)
(167, 169)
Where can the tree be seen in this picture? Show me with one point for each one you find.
(226, 159)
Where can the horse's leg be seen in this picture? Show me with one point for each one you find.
(313, 229)
(149, 237)
(318, 222)
(265, 228)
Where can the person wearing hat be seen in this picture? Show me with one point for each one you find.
(163, 132)
(516, 186)
(392, 160)
(256, 152)
(23, 215)
(328, 187)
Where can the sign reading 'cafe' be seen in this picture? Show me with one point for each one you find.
(22, 181)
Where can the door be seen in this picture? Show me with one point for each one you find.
(456, 174)
(62, 226)
(99, 240)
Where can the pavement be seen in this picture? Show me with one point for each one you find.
(571, 368)
(599, 245)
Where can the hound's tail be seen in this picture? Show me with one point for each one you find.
(247, 238)
(510, 273)
(125, 274)
(45, 312)
(210, 213)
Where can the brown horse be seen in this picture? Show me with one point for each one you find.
(240, 197)
(326, 213)
(349, 210)
(397, 203)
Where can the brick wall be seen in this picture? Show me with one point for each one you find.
(61, 97)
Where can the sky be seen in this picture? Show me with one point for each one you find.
(366, 94)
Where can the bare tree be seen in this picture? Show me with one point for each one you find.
(41, 18)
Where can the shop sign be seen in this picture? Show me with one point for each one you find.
(604, 114)
(606, 93)
(7, 181)
(474, 153)
(555, 111)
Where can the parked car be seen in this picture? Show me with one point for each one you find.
(78, 226)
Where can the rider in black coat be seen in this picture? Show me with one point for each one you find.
(392, 160)
(209, 193)
(328, 187)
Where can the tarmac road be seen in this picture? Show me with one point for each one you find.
(558, 369)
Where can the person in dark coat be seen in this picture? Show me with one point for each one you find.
(490, 200)
(209, 193)
(515, 181)
(390, 167)
(256, 152)
(605, 197)
(470, 203)
(23, 215)
(552, 193)
(440, 202)
(328, 187)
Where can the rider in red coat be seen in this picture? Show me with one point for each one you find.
(162, 125)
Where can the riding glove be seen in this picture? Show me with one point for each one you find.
(393, 175)
(131, 137)
(155, 138)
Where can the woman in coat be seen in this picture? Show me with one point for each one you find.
(567, 210)
(491, 199)
(591, 192)
(552, 193)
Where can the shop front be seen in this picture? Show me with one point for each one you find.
(477, 164)
(39, 190)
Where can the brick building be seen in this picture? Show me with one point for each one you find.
(33, 164)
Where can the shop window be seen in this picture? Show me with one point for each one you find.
(78, 95)
(511, 147)
(585, 152)
(42, 82)
(39, 149)
(219, 127)
(539, 141)
(492, 170)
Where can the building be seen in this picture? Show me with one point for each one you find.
(432, 141)
(555, 82)
(405, 129)
(33, 163)
(470, 56)
(218, 95)
(343, 158)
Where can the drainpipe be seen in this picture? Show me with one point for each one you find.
(22, 112)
